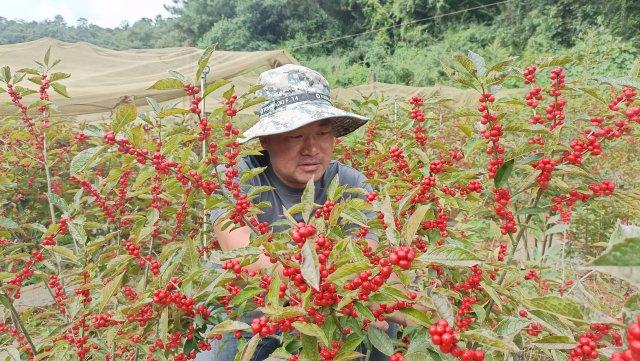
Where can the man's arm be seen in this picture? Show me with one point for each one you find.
(229, 240)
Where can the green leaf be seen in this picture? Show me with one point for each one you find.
(443, 307)
(173, 111)
(466, 63)
(310, 268)
(558, 228)
(214, 86)
(274, 290)
(413, 224)
(246, 294)
(251, 102)
(65, 252)
(190, 257)
(227, 326)
(60, 89)
(8, 223)
(229, 92)
(311, 329)
(503, 174)
(308, 200)
(419, 317)
(348, 270)
(47, 56)
(204, 60)
(167, 83)
(620, 260)
(77, 233)
(6, 73)
(511, 326)
(550, 322)
(28, 71)
(125, 113)
(380, 340)
(450, 256)
(478, 62)
(142, 177)
(251, 173)
(488, 338)
(250, 348)
(555, 343)
(563, 307)
(109, 291)
(58, 76)
(164, 323)
(309, 348)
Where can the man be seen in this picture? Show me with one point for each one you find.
(297, 128)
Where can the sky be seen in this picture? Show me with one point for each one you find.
(104, 13)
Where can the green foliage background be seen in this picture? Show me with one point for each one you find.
(604, 34)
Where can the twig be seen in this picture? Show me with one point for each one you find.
(18, 321)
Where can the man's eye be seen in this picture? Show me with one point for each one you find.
(295, 137)
(325, 132)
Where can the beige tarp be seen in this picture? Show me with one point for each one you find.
(99, 77)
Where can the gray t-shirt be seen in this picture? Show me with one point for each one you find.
(283, 195)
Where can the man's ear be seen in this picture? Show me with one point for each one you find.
(264, 142)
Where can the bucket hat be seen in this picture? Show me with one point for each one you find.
(296, 96)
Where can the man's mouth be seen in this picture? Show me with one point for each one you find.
(309, 167)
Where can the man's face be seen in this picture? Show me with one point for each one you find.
(300, 154)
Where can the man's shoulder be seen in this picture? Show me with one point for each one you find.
(347, 174)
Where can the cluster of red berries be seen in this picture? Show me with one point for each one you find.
(129, 293)
(534, 329)
(16, 334)
(372, 197)
(397, 155)
(134, 251)
(191, 89)
(170, 295)
(402, 257)
(587, 348)
(230, 110)
(627, 96)
(233, 265)
(537, 139)
(301, 232)
(633, 340)
(416, 113)
(533, 96)
(104, 320)
(205, 129)
(58, 293)
(605, 188)
(502, 252)
(367, 283)
(529, 74)
(532, 274)
(385, 308)
(546, 167)
(108, 211)
(472, 283)
(443, 335)
(328, 354)
(263, 326)
(502, 198)
(325, 210)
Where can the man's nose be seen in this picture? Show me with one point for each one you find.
(310, 146)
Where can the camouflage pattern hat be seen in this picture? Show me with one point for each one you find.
(297, 96)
